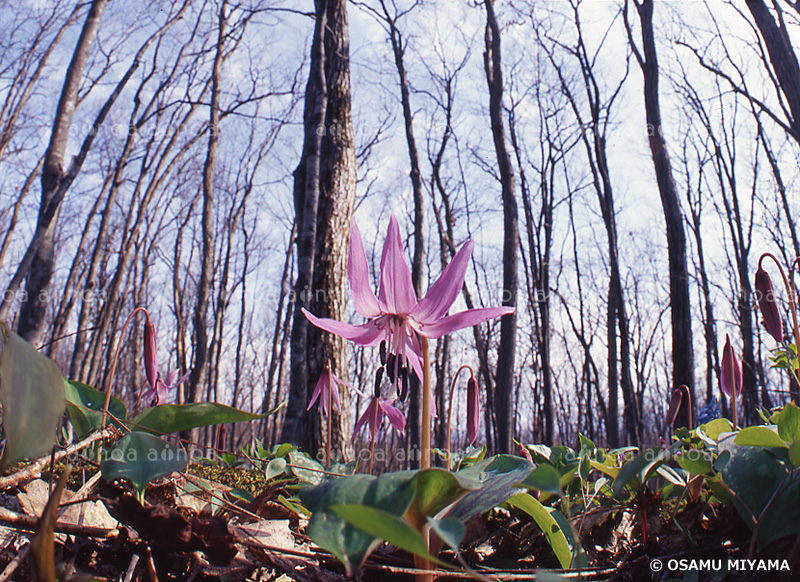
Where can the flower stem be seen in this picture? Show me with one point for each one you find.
(110, 383)
(425, 450)
(374, 433)
(330, 420)
(425, 445)
(450, 409)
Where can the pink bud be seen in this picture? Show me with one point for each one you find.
(150, 354)
(730, 377)
(473, 410)
(767, 303)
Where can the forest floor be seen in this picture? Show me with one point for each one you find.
(201, 525)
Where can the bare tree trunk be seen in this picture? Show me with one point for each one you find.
(324, 203)
(680, 306)
(197, 379)
(42, 259)
(506, 353)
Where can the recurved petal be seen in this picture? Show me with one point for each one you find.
(397, 290)
(364, 298)
(368, 416)
(366, 334)
(320, 389)
(461, 320)
(443, 292)
(396, 418)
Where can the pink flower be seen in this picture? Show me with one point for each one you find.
(164, 386)
(395, 315)
(326, 389)
(375, 418)
(730, 377)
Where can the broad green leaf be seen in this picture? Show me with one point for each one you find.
(695, 461)
(499, 479)
(763, 488)
(275, 467)
(391, 493)
(385, 526)
(544, 478)
(794, 453)
(437, 488)
(450, 531)
(759, 436)
(610, 471)
(306, 469)
(32, 395)
(637, 470)
(789, 423)
(716, 427)
(140, 458)
(167, 418)
(543, 518)
(85, 408)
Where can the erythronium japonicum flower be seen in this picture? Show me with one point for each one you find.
(398, 318)
(730, 376)
(158, 387)
(327, 392)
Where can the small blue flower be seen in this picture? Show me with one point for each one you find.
(709, 412)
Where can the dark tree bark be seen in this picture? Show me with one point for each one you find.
(40, 258)
(324, 201)
(198, 376)
(504, 384)
(680, 305)
(782, 58)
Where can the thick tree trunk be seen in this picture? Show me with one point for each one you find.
(680, 307)
(325, 184)
(504, 384)
(42, 256)
(782, 57)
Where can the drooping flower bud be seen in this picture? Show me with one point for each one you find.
(674, 406)
(730, 377)
(150, 354)
(473, 410)
(768, 305)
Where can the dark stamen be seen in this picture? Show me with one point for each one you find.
(378, 378)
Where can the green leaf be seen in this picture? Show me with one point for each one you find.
(385, 526)
(85, 408)
(794, 453)
(763, 488)
(140, 457)
(450, 531)
(544, 478)
(305, 468)
(544, 519)
(695, 461)
(499, 479)
(167, 418)
(391, 493)
(636, 471)
(789, 423)
(716, 427)
(275, 467)
(759, 436)
(437, 488)
(32, 395)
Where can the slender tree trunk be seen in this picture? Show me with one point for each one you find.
(680, 306)
(42, 261)
(506, 354)
(198, 377)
